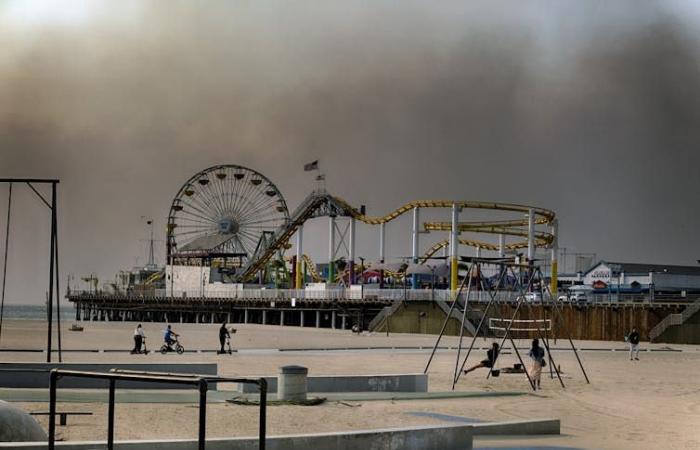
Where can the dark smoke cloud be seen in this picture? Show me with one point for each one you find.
(588, 108)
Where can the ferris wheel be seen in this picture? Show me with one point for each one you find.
(224, 211)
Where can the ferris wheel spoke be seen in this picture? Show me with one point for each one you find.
(242, 185)
(247, 193)
(262, 199)
(260, 212)
(214, 187)
(197, 205)
(251, 242)
(253, 210)
(198, 216)
(271, 222)
(251, 236)
(206, 198)
(197, 226)
(243, 247)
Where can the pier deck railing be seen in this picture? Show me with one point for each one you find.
(369, 294)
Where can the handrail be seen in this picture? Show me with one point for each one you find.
(202, 381)
(366, 294)
(674, 319)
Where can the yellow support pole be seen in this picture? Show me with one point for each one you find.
(553, 286)
(300, 274)
(300, 258)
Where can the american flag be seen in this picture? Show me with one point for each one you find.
(311, 166)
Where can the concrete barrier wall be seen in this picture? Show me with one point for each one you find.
(415, 382)
(451, 437)
(30, 379)
(518, 427)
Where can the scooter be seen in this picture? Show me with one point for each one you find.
(228, 344)
(142, 352)
(176, 347)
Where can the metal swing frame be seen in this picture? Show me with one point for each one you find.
(519, 290)
(53, 257)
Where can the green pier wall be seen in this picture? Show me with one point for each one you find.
(687, 333)
(587, 322)
(419, 318)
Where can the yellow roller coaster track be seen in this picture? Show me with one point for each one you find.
(311, 269)
(474, 243)
(507, 227)
(155, 277)
(541, 238)
(543, 215)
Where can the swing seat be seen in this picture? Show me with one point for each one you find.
(496, 372)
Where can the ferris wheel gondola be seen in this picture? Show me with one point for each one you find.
(224, 211)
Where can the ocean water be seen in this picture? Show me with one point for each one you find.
(37, 312)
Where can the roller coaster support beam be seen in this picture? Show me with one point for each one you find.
(298, 282)
(501, 245)
(331, 249)
(555, 250)
(414, 244)
(454, 248)
(351, 252)
(530, 235)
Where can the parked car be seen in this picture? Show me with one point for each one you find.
(532, 297)
(574, 297)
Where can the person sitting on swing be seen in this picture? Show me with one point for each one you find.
(490, 360)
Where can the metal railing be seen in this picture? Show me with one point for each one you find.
(673, 319)
(201, 381)
(373, 294)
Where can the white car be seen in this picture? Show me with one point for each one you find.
(532, 297)
(574, 297)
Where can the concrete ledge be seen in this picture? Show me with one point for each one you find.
(450, 437)
(416, 382)
(36, 375)
(518, 427)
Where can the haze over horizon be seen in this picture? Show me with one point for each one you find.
(591, 109)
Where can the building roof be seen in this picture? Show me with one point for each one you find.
(207, 243)
(641, 268)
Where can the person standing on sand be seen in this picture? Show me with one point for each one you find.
(139, 336)
(633, 340)
(537, 356)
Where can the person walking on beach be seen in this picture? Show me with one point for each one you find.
(537, 356)
(633, 340)
(490, 360)
(139, 336)
(223, 334)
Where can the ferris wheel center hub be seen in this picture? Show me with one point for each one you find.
(228, 226)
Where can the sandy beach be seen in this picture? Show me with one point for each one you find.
(651, 403)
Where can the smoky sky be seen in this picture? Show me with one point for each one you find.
(589, 108)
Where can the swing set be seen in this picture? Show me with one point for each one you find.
(53, 257)
(515, 284)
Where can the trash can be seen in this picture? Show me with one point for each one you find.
(292, 383)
